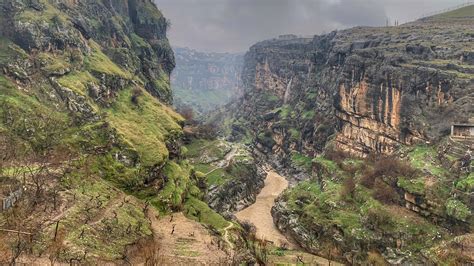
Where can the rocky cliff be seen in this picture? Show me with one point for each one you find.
(84, 105)
(366, 89)
(320, 105)
(233, 179)
(206, 81)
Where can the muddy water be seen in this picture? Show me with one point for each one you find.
(259, 213)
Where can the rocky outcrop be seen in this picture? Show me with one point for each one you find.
(364, 89)
(239, 192)
(233, 177)
(89, 79)
(131, 32)
(206, 81)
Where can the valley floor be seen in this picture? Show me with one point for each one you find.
(259, 214)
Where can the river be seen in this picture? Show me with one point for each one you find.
(259, 213)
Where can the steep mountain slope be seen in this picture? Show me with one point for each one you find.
(360, 121)
(376, 88)
(206, 81)
(84, 119)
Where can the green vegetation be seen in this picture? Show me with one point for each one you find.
(329, 165)
(100, 219)
(179, 185)
(162, 86)
(360, 220)
(97, 61)
(148, 12)
(465, 12)
(139, 41)
(121, 145)
(466, 184)
(458, 210)
(53, 64)
(360, 212)
(77, 81)
(271, 98)
(423, 158)
(285, 111)
(308, 115)
(301, 160)
(49, 14)
(414, 186)
(266, 139)
(200, 212)
(295, 135)
(10, 52)
(144, 126)
(218, 177)
(208, 149)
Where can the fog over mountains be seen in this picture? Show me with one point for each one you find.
(234, 25)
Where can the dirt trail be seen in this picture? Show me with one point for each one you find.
(225, 162)
(259, 213)
(190, 243)
(226, 235)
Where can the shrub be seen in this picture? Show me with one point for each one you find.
(457, 210)
(386, 167)
(136, 93)
(368, 177)
(348, 188)
(335, 155)
(378, 218)
(384, 192)
(374, 258)
(249, 229)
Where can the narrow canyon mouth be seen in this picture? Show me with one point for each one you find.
(259, 213)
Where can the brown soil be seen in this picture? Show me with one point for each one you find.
(190, 243)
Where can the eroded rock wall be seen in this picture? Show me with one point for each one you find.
(365, 89)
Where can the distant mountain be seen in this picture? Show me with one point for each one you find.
(206, 81)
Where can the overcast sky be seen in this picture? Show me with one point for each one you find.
(234, 25)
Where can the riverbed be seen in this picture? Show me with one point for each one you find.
(259, 213)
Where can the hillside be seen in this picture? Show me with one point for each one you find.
(339, 147)
(465, 13)
(87, 132)
(206, 81)
(359, 120)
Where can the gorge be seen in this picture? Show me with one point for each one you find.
(351, 147)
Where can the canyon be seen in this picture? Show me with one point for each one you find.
(206, 81)
(331, 149)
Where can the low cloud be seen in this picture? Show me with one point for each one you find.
(234, 25)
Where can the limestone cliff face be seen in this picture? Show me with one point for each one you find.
(364, 89)
(370, 124)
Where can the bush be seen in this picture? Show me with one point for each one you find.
(378, 218)
(374, 258)
(348, 188)
(385, 193)
(335, 155)
(387, 167)
(136, 93)
(457, 210)
(249, 229)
